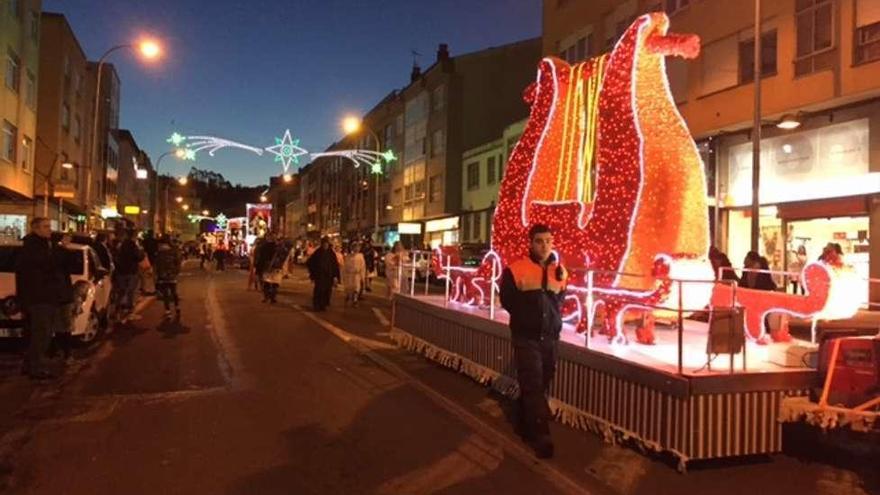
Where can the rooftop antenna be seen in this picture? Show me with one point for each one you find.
(415, 56)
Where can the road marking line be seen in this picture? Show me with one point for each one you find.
(381, 317)
(557, 478)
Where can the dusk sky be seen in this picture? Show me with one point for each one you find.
(248, 70)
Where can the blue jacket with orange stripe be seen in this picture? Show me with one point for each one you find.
(532, 292)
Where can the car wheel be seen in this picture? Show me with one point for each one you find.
(93, 328)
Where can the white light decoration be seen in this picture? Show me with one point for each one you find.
(286, 150)
(358, 157)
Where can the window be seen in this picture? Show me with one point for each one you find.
(719, 69)
(747, 58)
(438, 143)
(419, 190)
(438, 98)
(13, 71)
(10, 136)
(30, 89)
(435, 189)
(490, 170)
(389, 133)
(398, 125)
(65, 117)
(867, 33)
(65, 173)
(77, 129)
(477, 226)
(35, 26)
(500, 167)
(473, 175)
(673, 6)
(27, 154)
(815, 35)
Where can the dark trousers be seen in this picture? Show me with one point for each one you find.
(270, 291)
(535, 362)
(43, 321)
(221, 261)
(168, 292)
(321, 294)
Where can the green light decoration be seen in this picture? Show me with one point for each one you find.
(176, 139)
(389, 156)
(221, 221)
(189, 154)
(376, 168)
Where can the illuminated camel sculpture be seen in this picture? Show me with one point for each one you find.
(646, 222)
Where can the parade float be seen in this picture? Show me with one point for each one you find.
(607, 162)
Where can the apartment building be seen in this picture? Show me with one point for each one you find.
(105, 168)
(20, 53)
(64, 124)
(820, 78)
(135, 181)
(482, 171)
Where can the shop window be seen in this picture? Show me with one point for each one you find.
(490, 170)
(815, 36)
(473, 175)
(747, 58)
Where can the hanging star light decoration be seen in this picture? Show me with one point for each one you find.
(189, 154)
(389, 156)
(286, 150)
(376, 168)
(176, 139)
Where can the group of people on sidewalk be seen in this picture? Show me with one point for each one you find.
(45, 291)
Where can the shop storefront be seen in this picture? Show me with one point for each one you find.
(816, 189)
(442, 232)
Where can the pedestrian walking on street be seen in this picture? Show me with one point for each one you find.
(354, 274)
(43, 288)
(220, 256)
(128, 259)
(274, 270)
(324, 272)
(370, 263)
(168, 261)
(395, 263)
(532, 291)
(264, 252)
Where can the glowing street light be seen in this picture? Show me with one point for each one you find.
(264, 198)
(287, 177)
(351, 124)
(67, 165)
(185, 207)
(149, 49)
(179, 199)
(182, 180)
(206, 213)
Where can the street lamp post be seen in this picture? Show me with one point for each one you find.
(179, 154)
(353, 125)
(150, 50)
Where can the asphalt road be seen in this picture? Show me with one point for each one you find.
(243, 397)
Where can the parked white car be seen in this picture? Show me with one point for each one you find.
(91, 289)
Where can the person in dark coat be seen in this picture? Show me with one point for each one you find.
(757, 280)
(44, 290)
(370, 256)
(264, 251)
(168, 261)
(324, 273)
(128, 258)
(532, 292)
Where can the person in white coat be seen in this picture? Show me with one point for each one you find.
(395, 263)
(354, 274)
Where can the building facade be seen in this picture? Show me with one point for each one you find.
(20, 45)
(482, 171)
(135, 181)
(105, 164)
(820, 62)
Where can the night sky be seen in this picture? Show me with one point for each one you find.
(248, 70)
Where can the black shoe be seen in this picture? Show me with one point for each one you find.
(543, 448)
